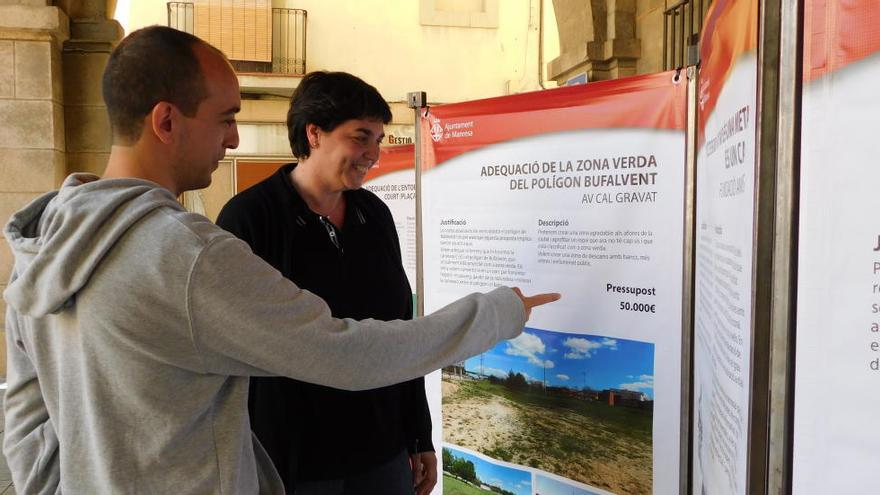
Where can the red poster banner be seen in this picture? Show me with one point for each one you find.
(392, 159)
(450, 130)
(730, 31)
(838, 33)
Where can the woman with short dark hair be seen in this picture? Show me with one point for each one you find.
(313, 222)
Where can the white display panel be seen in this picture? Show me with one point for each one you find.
(836, 446)
(398, 190)
(723, 286)
(587, 399)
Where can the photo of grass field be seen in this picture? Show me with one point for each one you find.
(468, 474)
(574, 405)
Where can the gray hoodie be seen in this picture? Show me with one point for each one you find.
(132, 326)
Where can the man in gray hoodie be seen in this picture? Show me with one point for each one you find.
(133, 325)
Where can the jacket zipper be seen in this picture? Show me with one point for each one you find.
(331, 231)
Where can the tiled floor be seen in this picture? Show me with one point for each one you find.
(6, 487)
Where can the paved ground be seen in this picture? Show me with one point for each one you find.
(6, 487)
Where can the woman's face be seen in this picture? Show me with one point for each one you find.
(344, 155)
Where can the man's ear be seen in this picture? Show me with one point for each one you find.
(162, 120)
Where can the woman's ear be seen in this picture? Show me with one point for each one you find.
(313, 134)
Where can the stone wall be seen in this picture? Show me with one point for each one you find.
(32, 136)
(88, 136)
(52, 118)
(649, 31)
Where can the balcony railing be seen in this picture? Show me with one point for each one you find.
(288, 39)
(181, 16)
(682, 23)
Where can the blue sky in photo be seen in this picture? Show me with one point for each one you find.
(572, 360)
(549, 486)
(513, 480)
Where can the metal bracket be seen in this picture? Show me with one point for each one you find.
(417, 99)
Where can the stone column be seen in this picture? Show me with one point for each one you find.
(32, 141)
(597, 37)
(615, 54)
(574, 20)
(84, 57)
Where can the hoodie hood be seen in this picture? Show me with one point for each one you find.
(61, 237)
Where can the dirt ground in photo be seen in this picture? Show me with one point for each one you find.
(593, 443)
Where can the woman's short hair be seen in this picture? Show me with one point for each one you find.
(328, 99)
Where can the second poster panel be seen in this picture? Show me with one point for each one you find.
(580, 191)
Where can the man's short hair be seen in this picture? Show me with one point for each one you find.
(151, 65)
(328, 99)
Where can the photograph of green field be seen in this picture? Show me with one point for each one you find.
(467, 474)
(577, 406)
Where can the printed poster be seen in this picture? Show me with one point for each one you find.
(578, 190)
(723, 247)
(393, 179)
(836, 402)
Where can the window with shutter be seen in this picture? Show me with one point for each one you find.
(242, 29)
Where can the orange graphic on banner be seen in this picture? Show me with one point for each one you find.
(392, 159)
(654, 101)
(729, 32)
(838, 33)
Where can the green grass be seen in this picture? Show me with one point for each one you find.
(499, 453)
(576, 434)
(625, 421)
(453, 486)
(467, 391)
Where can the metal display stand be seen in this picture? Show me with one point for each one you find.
(780, 69)
(688, 281)
(418, 100)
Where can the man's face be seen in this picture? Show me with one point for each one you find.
(207, 135)
(348, 152)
